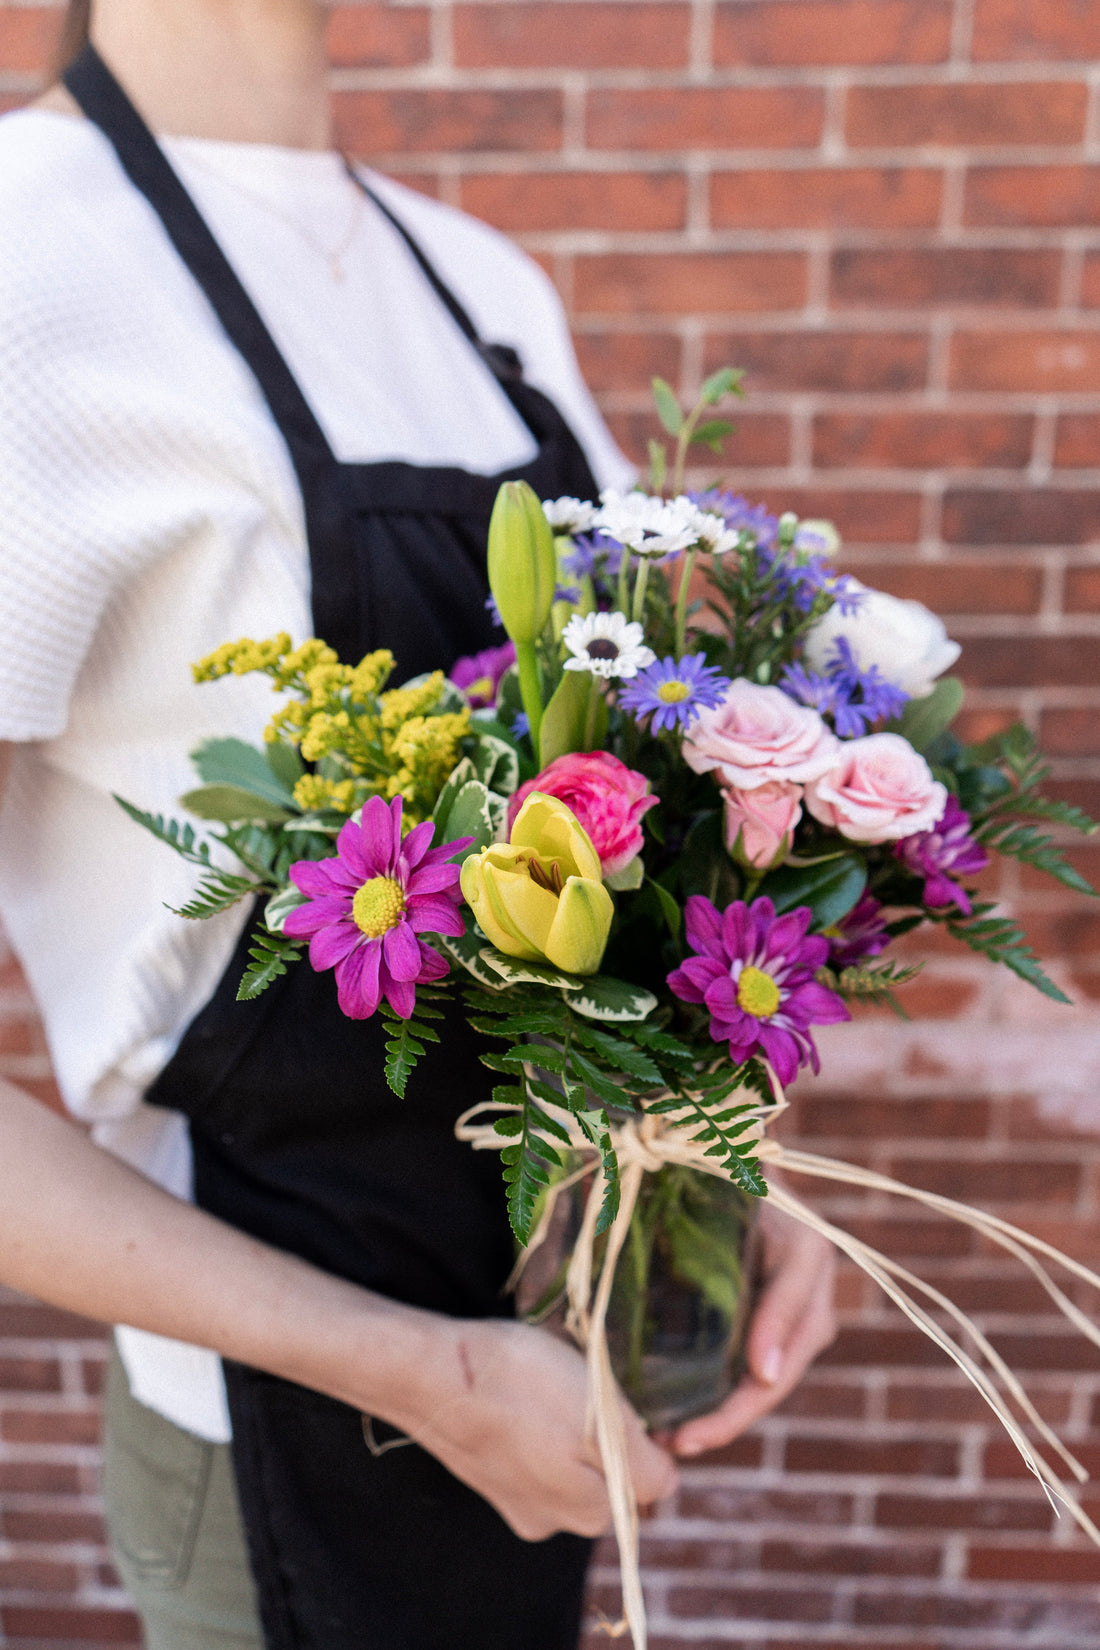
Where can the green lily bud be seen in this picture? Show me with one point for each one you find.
(522, 562)
(539, 897)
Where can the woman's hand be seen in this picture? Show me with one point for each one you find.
(513, 1427)
(792, 1323)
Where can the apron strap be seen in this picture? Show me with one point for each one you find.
(106, 104)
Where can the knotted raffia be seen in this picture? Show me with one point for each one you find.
(646, 1143)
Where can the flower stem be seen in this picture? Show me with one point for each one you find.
(530, 690)
(624, 575)
(687, 567)
(639, 589)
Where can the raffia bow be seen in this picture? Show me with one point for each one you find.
(648, 1142)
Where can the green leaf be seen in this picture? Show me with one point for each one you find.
(1032, 847)
(713, 433)
(284, 762)
(229, 803)
(658, 466)
(270, 955)
(601, 998)
(668, 406)
(472, 815)
(623, 1056)
(466, 950)
(830, 888)
(593, 1078)
(630, 877)
(923, 720)
(244, 767)
(727, 381)
(496, 763)
(670, 910)
(1002, 940)
(564, 721)
(280, 905)
(516, 972)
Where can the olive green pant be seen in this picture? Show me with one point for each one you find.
(176, 1528)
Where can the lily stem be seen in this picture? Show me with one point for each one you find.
(639, 589)
(686, 570)
(530, 690)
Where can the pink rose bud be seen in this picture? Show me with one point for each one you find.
(760, 823)
(759, 736)
(880, 790)
(608, 798)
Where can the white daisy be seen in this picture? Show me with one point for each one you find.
(607, 644)
(713, 535)
(568, 515)
(647, 525)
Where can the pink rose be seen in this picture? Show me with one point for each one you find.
(764, 819)
(607, 797)
(879, 791)
(758, 736)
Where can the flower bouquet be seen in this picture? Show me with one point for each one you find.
(672, 824)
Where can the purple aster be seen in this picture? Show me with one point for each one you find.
(855, 698)
(674, 691)
(941, 854)
(479, 674)
(858, 936)
(755, 973)
(369, 905)
(739, 514)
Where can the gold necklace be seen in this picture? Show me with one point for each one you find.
(333, 256)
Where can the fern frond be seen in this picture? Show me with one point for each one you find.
(270, 953)
(1002, 940)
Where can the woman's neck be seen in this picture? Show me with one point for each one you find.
(245, 71)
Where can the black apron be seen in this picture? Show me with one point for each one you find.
(297, 1140)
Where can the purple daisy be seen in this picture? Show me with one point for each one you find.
(943, 853)
(674, 691)
(369, 905)
(479, 674)
(860, 935)
(755, 973)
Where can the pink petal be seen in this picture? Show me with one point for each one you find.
(781, 1050)
(358, 990)
(333, 944)
(350, 846)
(432, 879)
(401, 994)
(400, 952)
(703, 925)
(432, 965)
(417, 843)
(435, 916)
(319, 913)
(319, 877)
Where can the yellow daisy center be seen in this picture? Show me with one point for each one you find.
(757, 993)
(378, 906)
(673, 693)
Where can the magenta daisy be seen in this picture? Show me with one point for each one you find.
(940, 855)
(755, 973)
(369, 905)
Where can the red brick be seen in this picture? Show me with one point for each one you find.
(945, 276)
(954, 1400)
(584, 34)
(828, 1400)
(861, 1347)
(39, 1575)
(369, 36)
(926, 1457)
(1013, 516)
(705, 117)
(389, 122)
(46, 1426)
(1077, 441)
(1001, 1459)
(1020, 31)
(627, 360)
(1043, 362)
(27, 37)
(41, 1323)
(1045, 196)
(919, 441)
(743, 1506)
(52, 1525)
(999, 661)
(956, 588)
(762, 33)
(70, 1626)
(984, 1182)
(1082, 590)
(745, 1452)
(827, 197)
(1031, 112)
(964, 1512)
(861, 515)
(577, 200)
(684, 283)
(30, 1375)
(851, 1558)
(864, 1117)
(38, 1478)
(820, 360)
(999, 1612)
(1053, 1566)
(740, 1602)
(1090, 281)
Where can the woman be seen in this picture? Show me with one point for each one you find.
(247, 390)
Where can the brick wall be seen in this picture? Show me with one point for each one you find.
(889, 212)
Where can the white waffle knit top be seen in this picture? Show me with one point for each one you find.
(149, 511)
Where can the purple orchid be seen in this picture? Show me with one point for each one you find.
(755, 973)
(368, 906)
(860, 935)
(941, 854)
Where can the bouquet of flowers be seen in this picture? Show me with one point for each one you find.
(674, 822)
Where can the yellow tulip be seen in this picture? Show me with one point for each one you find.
(540, 896)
